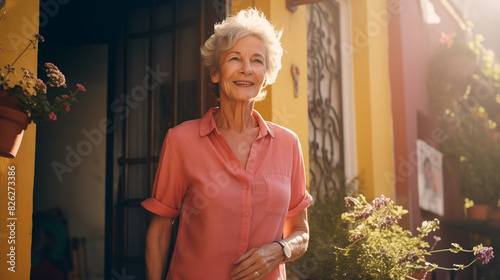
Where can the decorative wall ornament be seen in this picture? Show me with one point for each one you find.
(296, 77)
(325, 101)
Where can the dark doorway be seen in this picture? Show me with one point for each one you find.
(158, 82)
(139, 61)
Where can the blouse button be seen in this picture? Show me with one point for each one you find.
(244, 243)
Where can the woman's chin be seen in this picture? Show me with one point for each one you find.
(242, 96)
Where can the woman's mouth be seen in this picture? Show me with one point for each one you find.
(240, 83)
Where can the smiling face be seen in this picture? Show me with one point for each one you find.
(242, 70)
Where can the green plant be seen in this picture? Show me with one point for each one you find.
(327, 231)
(31, 92)
(463, 82)
(380, 249)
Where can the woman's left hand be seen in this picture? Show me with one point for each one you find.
(258, 262)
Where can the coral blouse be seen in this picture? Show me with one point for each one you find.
(226, 210)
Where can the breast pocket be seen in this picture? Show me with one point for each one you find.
(278, 194)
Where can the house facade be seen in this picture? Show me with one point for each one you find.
(353, 86)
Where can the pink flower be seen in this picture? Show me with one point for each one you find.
(65, 96)
(67, 108)
(80, 87)
(484, 254)
(446, 39)
(52, 116)
(40, 85)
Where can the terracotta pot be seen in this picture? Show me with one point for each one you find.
(9, 101)
(420, 275)
(494, 215)
(478, 212)
(13, 122)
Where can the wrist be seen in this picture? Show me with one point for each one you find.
(285, 249)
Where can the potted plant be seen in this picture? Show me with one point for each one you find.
(495, 213)
(24, 100)
(467, 106)
(472, 150)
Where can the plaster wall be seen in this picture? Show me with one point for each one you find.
(19, 20)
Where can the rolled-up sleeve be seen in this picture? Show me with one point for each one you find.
(169, 185)
(300, 198)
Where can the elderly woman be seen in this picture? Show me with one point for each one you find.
(236, 181)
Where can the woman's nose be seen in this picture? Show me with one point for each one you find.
(246, 67)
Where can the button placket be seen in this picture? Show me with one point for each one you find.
(247, 195)
(246, 200)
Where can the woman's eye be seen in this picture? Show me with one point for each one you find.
(259, 61)
(234, 58)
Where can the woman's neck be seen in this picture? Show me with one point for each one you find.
(235, 115)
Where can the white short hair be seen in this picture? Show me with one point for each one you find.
(246, 22)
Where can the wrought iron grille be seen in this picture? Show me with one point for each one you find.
(326, 139)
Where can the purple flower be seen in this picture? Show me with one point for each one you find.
(56, 78)
(380, 202)
(349, 201)
(389, 221)
(365, 214)
(39, 37)
(484, 254)
(355, 237)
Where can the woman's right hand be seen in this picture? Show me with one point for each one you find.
(157, 245)
(261, 260)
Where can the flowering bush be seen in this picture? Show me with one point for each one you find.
(379, 248)
(31, 92)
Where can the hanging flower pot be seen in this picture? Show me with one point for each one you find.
(9, 101)
(478, 212)
(13, 122)
(24, 100)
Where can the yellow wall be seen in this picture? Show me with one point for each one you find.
(281, 106)
(372, 97)
(371, 85)
(16, 27)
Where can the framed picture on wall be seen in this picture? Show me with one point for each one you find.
(430, 178)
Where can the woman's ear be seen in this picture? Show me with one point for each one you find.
(215, 77)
